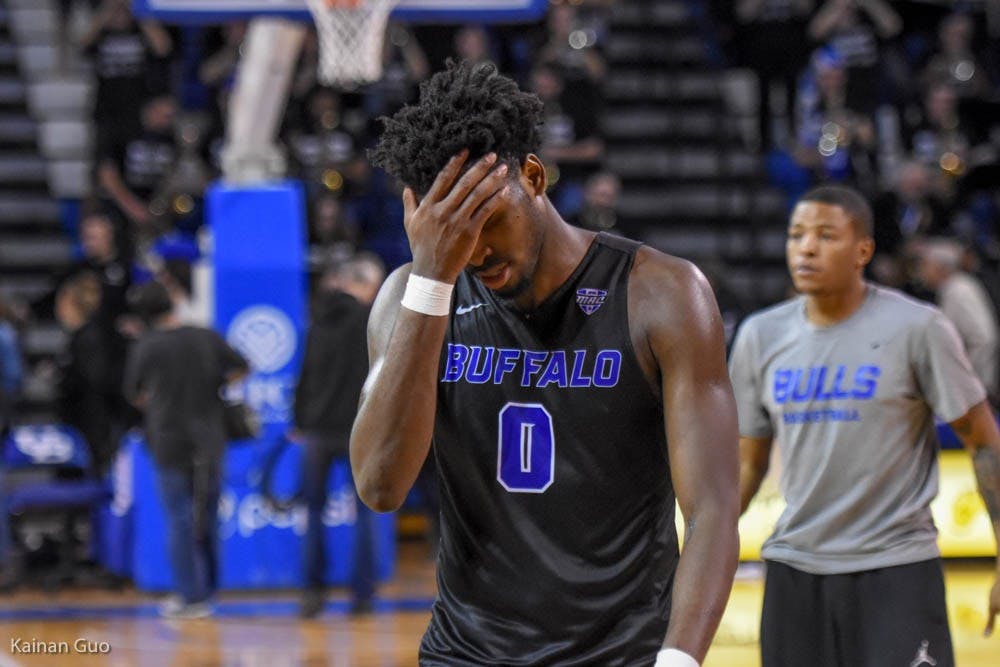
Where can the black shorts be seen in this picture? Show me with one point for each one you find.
(891, 617)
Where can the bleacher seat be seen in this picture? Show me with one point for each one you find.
(60, 98)
(55, 252)
(66, 139)
(70, 178)
(38, 60)
(34, 23)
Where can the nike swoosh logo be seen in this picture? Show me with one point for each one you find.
(462, 310)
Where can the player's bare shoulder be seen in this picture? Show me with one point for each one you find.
(672, 309)
(668, 292)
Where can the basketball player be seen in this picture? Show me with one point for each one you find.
(847, 377)
(571, 384)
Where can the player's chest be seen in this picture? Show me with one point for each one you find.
(838, 372)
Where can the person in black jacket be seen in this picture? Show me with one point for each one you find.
(326, 400)
(90, 368)
(175, 374)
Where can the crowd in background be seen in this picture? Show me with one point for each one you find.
(900, 100)
(905, 110)
(159, 116)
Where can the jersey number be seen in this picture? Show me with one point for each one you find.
(527, 448)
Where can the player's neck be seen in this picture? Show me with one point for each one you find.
(825, 310)
(563, 248)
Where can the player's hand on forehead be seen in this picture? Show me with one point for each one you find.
(452, 186)
(444, 225)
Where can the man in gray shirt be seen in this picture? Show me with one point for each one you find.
(847, 379)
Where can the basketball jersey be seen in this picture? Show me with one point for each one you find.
(558, 544)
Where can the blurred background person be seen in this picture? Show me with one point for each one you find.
(963, 300)
(769, 42)
(175, 374)
(132, 168)
(572, 143)
(600, 203)
(955, 61)
(103, 257)
(334, 369)
(89, 391)
(11, 369)
(835, 135)
(859, 31)
(130, 64)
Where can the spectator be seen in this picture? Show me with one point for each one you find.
(911, 209)
(131, 170)
(219, 69)
(333, 236)
(600, 203)
(939, 140)
(404, 65)
(472, 43)
(11, 372)
(101, 256)
(176, 276)
(856, 30)
(964, 301)
(326, 400)
(126, 55)
(955, 62)
(835, 139)
(769, 41)
(10, 385)
(328, 139)
(379, 214)
(571, 138)
(572, 46)
(89, 386)
(175, 374)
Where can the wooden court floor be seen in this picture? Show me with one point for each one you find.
(263, 630)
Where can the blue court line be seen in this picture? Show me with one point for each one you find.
(231, 609)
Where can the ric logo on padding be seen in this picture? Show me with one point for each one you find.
(265, 336)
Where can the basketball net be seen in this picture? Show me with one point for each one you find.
(351, 34)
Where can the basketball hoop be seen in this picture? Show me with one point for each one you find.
(351, 34)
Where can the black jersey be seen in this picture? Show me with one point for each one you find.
(558, 544)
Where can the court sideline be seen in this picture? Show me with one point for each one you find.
(252, 629)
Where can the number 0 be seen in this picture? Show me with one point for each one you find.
(527, 448)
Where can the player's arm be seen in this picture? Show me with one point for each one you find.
(686, 338)
(978, 431)
(755, 457)
(395, 422)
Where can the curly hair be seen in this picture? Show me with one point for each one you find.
(467, 105)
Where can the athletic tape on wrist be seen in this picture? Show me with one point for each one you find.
(430, 297)
(671, 657)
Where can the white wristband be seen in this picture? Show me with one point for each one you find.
(430, 297)
(671, 657)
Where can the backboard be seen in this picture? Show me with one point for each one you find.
(410, 11)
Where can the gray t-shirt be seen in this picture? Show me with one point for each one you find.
(851, 407)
